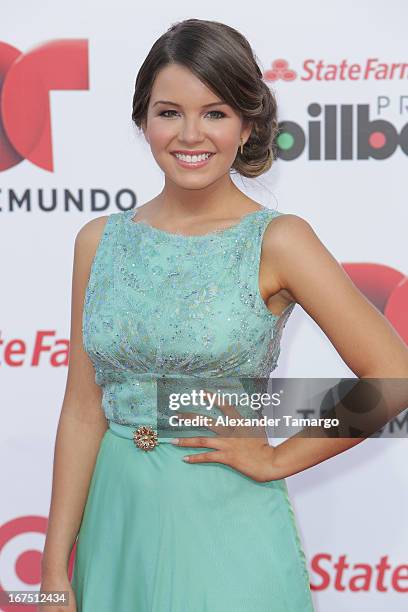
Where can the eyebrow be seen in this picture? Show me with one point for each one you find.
(219, 103)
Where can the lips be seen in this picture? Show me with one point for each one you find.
(208, 153)
(199, 163)
(191, 153)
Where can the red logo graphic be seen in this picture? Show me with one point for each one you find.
(46, 348)
(25, 82)
(386, 288)
(280, 70)
(26, 564)
(319, 70)
(342, 576)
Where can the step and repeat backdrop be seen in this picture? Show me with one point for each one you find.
(69, 153)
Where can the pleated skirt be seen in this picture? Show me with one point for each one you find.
(162, 535)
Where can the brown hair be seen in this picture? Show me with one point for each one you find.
(221, 58)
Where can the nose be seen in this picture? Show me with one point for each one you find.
(190, 131)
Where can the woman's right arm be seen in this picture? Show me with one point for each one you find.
(81, 425)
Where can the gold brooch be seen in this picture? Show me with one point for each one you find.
(145, 437)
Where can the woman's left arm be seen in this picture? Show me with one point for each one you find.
(363, 337)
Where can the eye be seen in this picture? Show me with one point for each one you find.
(163, 113)
(219, 113)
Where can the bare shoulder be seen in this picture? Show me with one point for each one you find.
(288, 224)
(286, 239)
(295, 251)
(89, 235)
(287, 233)
(86, 244)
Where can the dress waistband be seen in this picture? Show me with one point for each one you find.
(127, 431)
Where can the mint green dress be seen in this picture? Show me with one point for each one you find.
(159, 534)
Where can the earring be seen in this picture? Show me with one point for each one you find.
(242, 146)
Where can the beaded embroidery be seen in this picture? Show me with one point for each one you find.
(162, 304)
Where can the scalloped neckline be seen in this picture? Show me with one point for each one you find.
(131, 214)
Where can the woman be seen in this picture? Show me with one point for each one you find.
(199, 282)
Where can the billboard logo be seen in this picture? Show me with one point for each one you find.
(335, 133)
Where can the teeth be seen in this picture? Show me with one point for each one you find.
(192, 159)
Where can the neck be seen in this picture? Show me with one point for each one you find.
(216, 200)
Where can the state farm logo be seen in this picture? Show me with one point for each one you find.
(280, 70)
(318, 70)
(25, 82)
(339, 574)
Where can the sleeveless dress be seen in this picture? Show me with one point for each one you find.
(159, 534)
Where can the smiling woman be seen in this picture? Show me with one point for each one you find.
(186, 301)
(197, 285)
(224, 97)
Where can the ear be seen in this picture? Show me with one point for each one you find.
(246, 129)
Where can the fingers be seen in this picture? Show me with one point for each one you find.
(213, 457)
(199, 441)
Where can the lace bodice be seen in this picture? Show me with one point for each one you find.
(161, 304)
